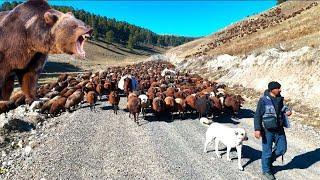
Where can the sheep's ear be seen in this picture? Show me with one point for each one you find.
(50, 18)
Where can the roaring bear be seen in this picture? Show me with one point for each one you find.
(30, 32)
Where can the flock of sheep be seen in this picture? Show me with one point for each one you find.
(247, 27)
(151, 86)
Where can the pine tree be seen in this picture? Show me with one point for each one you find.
(109, 36)
(131, 42)
(280, 1)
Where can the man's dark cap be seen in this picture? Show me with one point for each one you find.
(273, 85)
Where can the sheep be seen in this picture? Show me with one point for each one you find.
(74, 99)
(57, 106)
(114, 100)
(144, 103)
(191, 103)
(52, 94)
(134, 107)
(68, 93)
(36, 105)
(158, 106)
(234, 103)
(90, 86)
(91, 97)
(99, 90)
(43, 90)
(127, 86)
(202, 104)
(170, 105)
(62, 77)
(181, 106)
(47, 105)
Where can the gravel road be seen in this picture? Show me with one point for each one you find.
(102, 145)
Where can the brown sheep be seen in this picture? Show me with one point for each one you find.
(91, 97)
(127, 86)
(114, 100)
(64, 91)
(43, 90)
(191, 102)
(234, 103)
(69, 92)
(52, 94)
(58, 106)
(180, 94)
(47, 106)
(158, 106)
(62, 77)
(170, 92)
(100, 90)
(170, 105)
(202, 105)
(90, 86)
(181, 106)
(74, 99)
(134, 107)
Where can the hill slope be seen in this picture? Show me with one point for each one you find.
(99, 55)
(293, 24)
(285, 49)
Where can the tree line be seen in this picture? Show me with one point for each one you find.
(113, 31)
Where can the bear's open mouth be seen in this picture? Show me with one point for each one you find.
(80, 42)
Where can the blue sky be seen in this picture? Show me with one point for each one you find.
(185, 18)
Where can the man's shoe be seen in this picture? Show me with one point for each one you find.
(268, 176)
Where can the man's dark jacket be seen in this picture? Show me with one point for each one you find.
(278, 105)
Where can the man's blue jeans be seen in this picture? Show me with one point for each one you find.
(269, 154)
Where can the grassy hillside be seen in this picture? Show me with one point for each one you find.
(290, 25)
(281, 44)
(99, 55)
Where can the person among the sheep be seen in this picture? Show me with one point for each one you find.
(134, 83)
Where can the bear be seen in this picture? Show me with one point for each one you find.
(30, 32)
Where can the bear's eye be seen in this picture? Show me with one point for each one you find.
(74, 26)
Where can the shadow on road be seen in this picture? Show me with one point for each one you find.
(302, 161)
(251, 154)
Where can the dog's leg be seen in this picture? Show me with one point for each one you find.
(217, 147)
(208, 140)
(239, 148)
(228, 153)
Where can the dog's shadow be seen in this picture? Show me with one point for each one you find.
(302, 161)
(251, 154)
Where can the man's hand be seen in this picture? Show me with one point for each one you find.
(257, 134)
(288, 113)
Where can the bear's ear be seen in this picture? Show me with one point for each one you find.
(50, 18)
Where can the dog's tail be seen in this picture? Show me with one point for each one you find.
(205, 122)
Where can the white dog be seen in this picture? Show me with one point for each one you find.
(231, 137)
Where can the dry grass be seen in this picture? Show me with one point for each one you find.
(100, 55)
(301, 113)
(301, 30)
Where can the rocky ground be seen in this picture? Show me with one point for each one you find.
(102, 145)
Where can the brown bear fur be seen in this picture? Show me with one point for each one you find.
(30, 32)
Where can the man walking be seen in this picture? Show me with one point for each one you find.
(269, 121)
